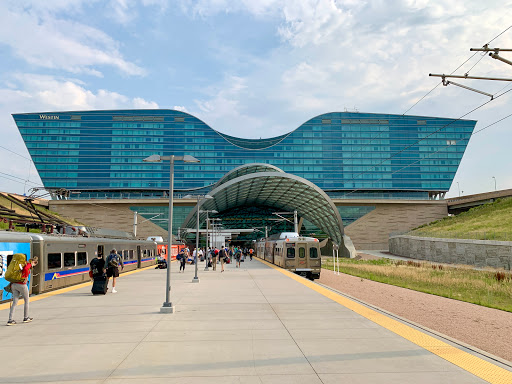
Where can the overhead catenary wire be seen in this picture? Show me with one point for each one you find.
(427, 136)
(7, 149)
(456, 69)
(432, 153)
(24, 180)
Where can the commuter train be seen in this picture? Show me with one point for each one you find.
(290, 251)
(64, 260)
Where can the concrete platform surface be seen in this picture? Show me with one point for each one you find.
(248, 325)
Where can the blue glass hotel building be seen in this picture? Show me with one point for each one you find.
(348, 155)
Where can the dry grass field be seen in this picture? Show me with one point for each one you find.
(490, 288)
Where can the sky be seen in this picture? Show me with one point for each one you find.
(259, 68)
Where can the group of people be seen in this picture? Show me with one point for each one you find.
(98, 267)
(214, 256)
(225, 254)
(110, 267)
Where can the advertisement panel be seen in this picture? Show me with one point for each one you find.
(7, 249)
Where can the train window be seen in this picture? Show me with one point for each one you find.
(313, 253)
(302, 252)
(125, 255)
(131, 254)
(290, 253)
(54, 260)
(81, 258)
(69, 259)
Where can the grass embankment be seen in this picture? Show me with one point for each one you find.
(459, 283)
(491, 221)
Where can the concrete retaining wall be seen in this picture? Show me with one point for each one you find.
(480, 253)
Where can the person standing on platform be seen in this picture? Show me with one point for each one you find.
(250, 253)
(21, 289)
(215, 252)
(222, 257)
(113, 262)
(238, 256)
(184, 259)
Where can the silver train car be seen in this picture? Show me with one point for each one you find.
(64, 260)
(290, 251)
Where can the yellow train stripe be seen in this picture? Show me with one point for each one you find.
(470, 363)
(67, 289)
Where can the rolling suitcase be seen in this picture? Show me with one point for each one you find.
(99, 285)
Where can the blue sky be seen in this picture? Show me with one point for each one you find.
(256, 68)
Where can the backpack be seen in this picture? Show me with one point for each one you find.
(113, 261)
(15, 267)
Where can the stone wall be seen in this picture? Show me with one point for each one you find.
(478, 253)
(373, 229)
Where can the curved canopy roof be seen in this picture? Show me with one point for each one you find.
(247, 169)
(276, 189)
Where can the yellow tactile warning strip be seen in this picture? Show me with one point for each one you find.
(67, 289)
(473, 364)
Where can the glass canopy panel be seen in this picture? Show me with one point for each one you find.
(278, 190)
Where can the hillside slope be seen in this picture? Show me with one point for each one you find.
(491, 221)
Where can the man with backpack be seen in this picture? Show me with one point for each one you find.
(112, 264)
(17, 273)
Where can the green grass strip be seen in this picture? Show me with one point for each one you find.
(489, 288)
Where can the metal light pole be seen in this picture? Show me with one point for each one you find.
(207, 240)
(167, 305)
(458, 187)
(200, 199)
(494, 183)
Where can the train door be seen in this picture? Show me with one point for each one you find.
(315, 263)
(100, 251)
(139, 256)
(302, 263)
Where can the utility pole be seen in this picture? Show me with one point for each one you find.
(135, 224)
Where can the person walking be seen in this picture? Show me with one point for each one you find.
(222, 257)
(183, 260)
(21, 289)
(215, 252)
(238, 255)
(250, 253)
(112, 264)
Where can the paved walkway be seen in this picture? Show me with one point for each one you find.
(248, 325)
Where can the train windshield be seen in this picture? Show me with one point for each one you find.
(313, 253)
(290, 253)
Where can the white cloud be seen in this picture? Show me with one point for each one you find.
(44, 40)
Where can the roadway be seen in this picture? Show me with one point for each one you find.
(250, 325)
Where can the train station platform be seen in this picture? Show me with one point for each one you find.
(256, 324)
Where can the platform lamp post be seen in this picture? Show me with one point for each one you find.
(200, 199)
(494, 183)
(167, 305)
(215, 230)
(206, 258)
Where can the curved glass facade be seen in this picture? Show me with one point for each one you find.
(348, 155)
